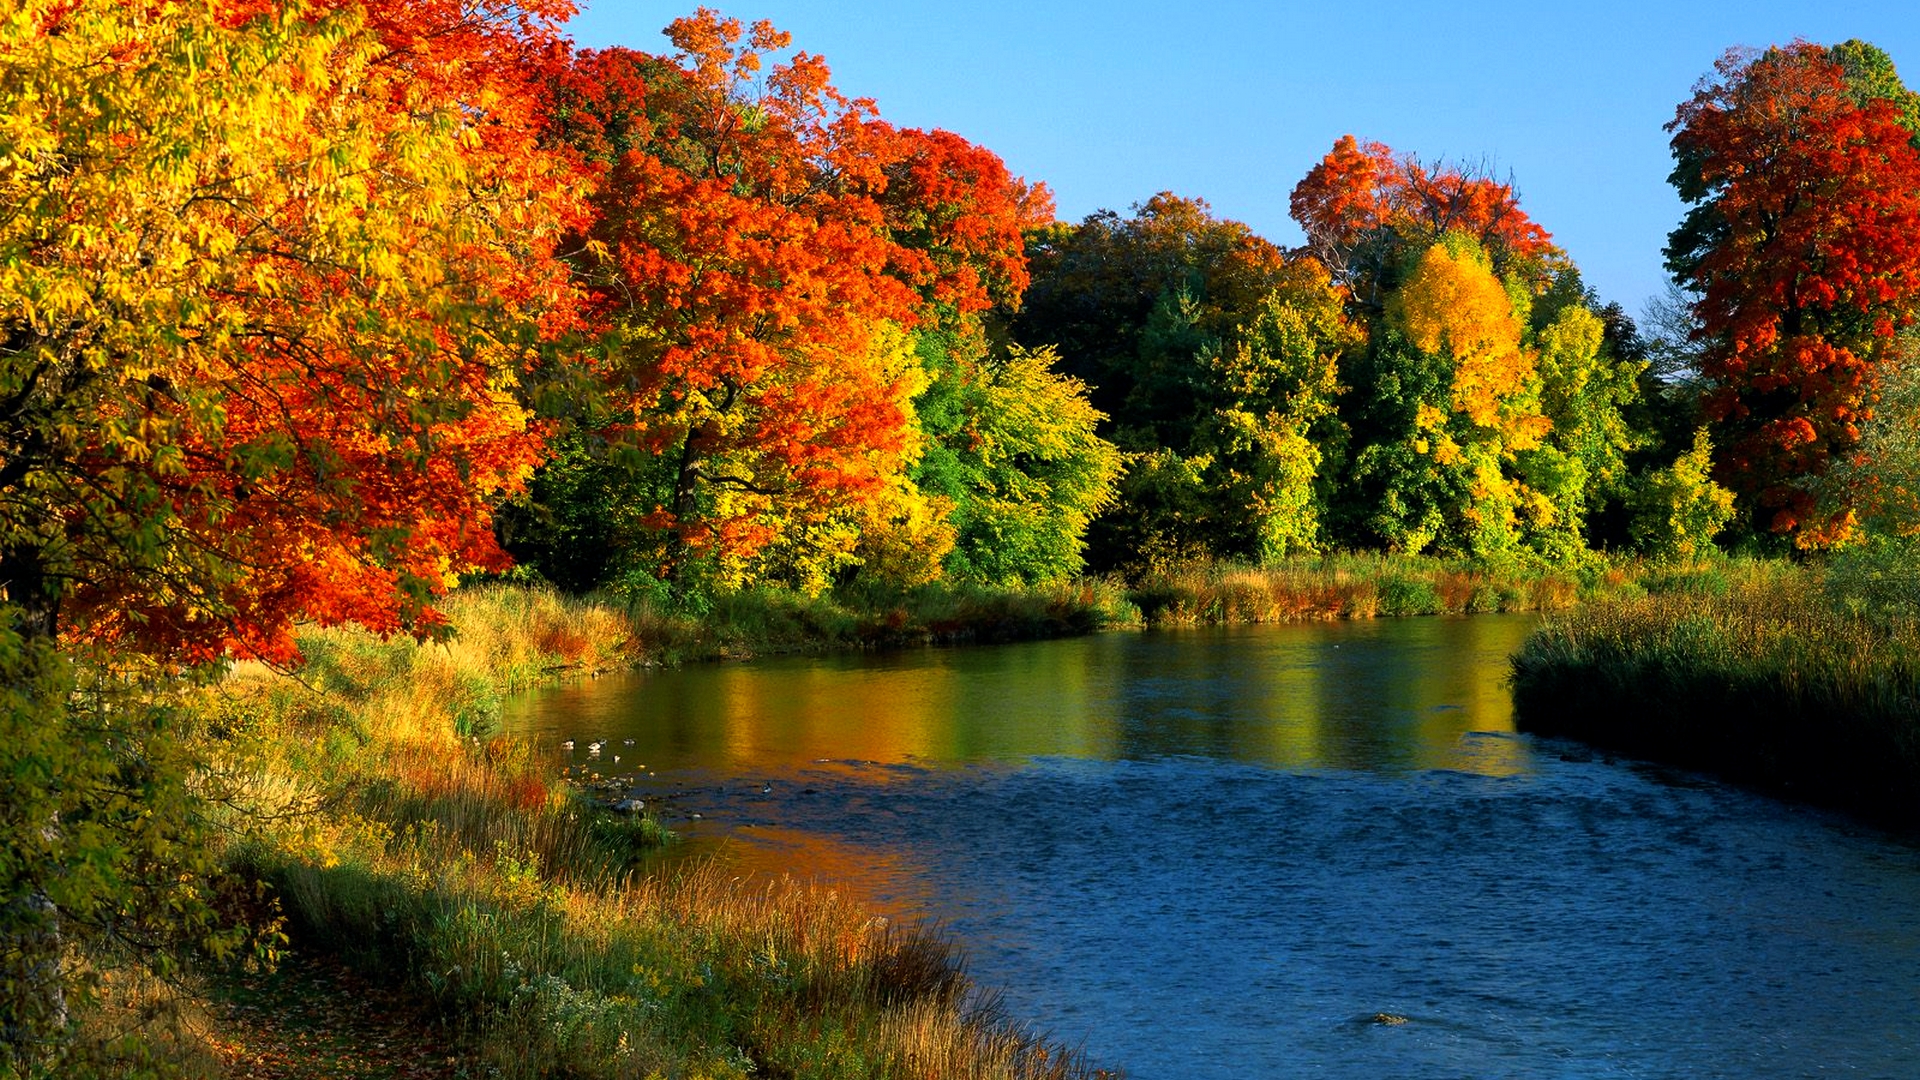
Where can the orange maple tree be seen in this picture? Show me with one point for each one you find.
(1803, 248)
(265, 312)
(759, 241)
(1360, 188)
(743, 282)
(954, 204)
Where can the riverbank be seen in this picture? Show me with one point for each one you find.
(759, 622)
(1366, 585)
(1768, 677)
(1357, 585)
(405, 845)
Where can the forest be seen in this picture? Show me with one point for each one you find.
(319, 312)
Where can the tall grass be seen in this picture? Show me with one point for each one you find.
(763, 621)
(401, 833)
(1363, 586)
(1758, 674)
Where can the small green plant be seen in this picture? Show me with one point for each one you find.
(1409, 596)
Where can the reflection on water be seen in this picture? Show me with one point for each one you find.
(1381, 695)
(1212, 854)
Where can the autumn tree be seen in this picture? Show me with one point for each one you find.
(1452, 396)
(777, 275)
(1012, 469)
(1363, 203)
(742, 276)
(270, 274)
(1802, 254)
(963, 219)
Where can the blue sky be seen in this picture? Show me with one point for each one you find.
(1234, 101)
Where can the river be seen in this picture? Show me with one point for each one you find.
(1222, 853)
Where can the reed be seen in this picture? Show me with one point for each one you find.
(1362, 586)
(771, 621)
(1754, 672)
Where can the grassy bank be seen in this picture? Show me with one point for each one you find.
(402, 839)
(766, 621)
(406, 842)
(1369, 585)
(1759, 672)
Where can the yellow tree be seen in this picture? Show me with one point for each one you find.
(1458, 396)
(269, 272)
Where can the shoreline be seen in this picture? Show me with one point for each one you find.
(1768, 685)
(426, 853)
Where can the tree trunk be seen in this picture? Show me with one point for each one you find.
(686, 482)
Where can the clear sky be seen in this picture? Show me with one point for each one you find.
(1233, 102)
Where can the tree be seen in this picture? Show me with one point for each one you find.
(1216, 358)
(263, 320)
(1027, 474)
(1802, 250)
(743, 279)
(1454, 397)
(1268, 424)
(269, 273)
(1678, 509)
(954, 205)
(1362, 203)
(1585, 392)
(1097, 286)
(784, 283)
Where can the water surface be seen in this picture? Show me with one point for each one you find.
(1217, 853)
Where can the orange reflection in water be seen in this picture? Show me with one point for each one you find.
(881, 878)
(1397, 695)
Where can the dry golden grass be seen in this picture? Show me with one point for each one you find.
(1354, 586)
(427, 852)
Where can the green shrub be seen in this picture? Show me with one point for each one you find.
(1409, 596)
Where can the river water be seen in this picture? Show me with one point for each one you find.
(1221, 853)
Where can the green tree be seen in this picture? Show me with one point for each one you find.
(1104, 288)
(1585, 394)
(1270, 431)
(1678, 509)
(1218, 357)
(1870, 76)
(1023, 468)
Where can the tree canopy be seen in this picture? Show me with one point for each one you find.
(1802, 250)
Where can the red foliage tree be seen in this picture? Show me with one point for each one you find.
(1358, 189)
(262, 341)
(1349, 193)
(955, 204)
(1803, 247)
(758, 239)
